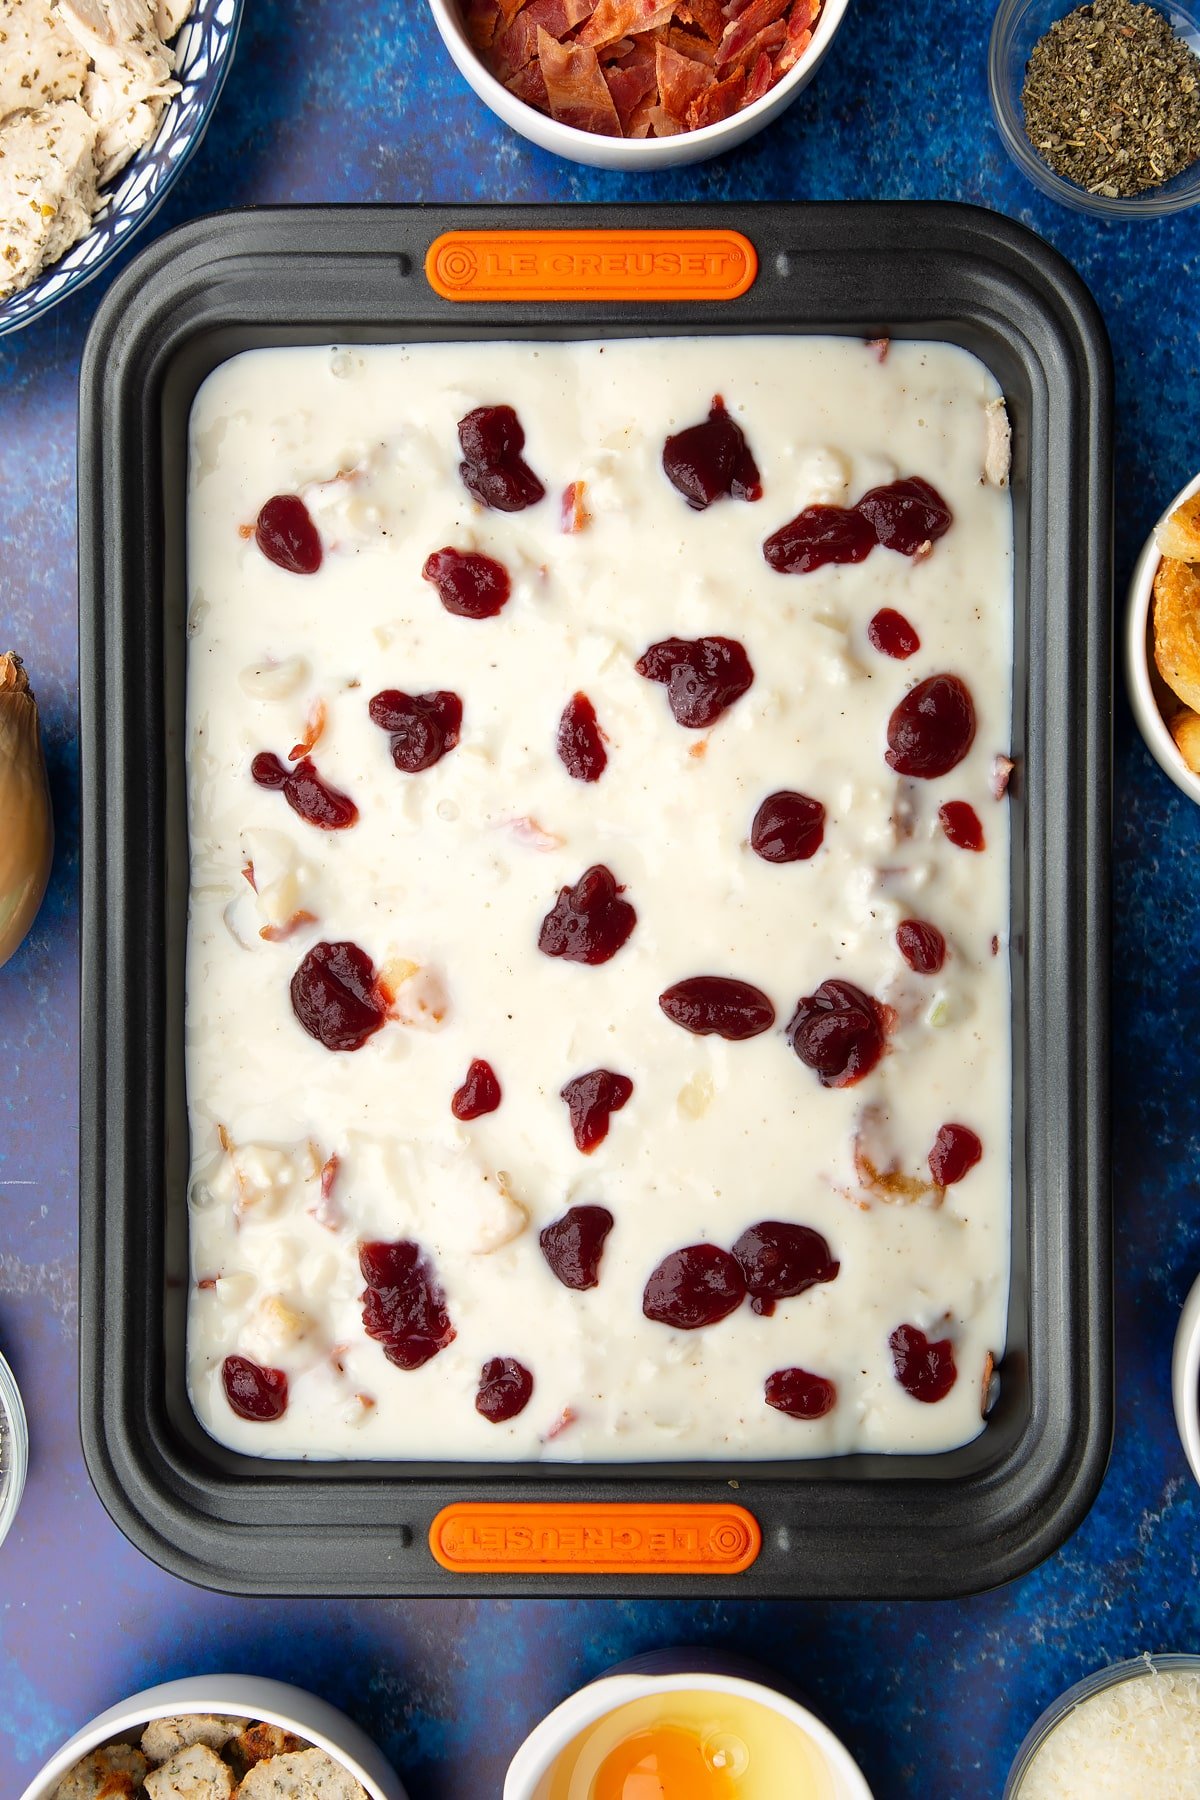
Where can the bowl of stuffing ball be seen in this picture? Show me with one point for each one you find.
(638, 84)
(219, 1737)
(102, 102)
(1162, 641)
(1098, 101)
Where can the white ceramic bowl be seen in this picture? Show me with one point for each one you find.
(1140, 674)
(537, 1756)
(1135, 1668)
(1185, 1379)
(204, 51)
(237, 1696)
(15, 1432)
(633, 153)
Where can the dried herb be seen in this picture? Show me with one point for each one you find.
(1112, 99)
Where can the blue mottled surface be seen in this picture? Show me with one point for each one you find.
(361, 103)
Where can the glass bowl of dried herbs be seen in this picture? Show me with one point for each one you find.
(1099, 104)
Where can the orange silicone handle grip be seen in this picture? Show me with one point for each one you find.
(591, 265)
(491, 1538)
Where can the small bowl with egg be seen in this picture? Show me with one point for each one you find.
(706, 1725)
(217, 1735)
(1162, 641)
(636, 84)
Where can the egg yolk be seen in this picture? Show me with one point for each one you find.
(661, 1763)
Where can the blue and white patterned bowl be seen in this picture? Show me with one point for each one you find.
(204, 49)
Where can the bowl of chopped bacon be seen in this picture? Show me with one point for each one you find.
(638, 84)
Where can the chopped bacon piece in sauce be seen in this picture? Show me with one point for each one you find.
(314, 725)
(640, 68)
(1002, 768)
(328, 1209)
(575, 515)
(279, 934)
(564, 1421)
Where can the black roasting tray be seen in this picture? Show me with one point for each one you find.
(856, 1526)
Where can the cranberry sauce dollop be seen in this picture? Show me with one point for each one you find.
(580, 742)
(703, 676)
(305, 792)
(932, 728)
(421, 727)
(285, 533)
(962, 825)
(505, 1386)
(956, 1150)
(493, 469)
(591, 1101)
(904, 516)
(788, 827)
(404, 1308)
(921, 945)
(589, 922)
(469, 584)
(479, 1093)
(890, 633)
(799, 1394)
(779, 1261)
(923, 1368)
(816, 536)
(718, 1006)
(336, 997)
(574, 1244)
(253, 1392)
(838, 1032)
(712, 461)
(696, 1286)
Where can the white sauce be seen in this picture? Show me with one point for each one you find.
(717, 1135)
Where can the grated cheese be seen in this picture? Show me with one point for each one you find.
(1140, 1737)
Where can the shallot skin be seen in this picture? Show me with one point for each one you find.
(26, 819)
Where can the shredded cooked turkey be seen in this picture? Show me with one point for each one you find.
(83, 85)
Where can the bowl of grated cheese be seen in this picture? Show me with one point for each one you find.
(1132, 1729)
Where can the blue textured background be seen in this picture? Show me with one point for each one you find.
(351, 102)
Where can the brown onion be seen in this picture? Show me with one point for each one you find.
(26, 821)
